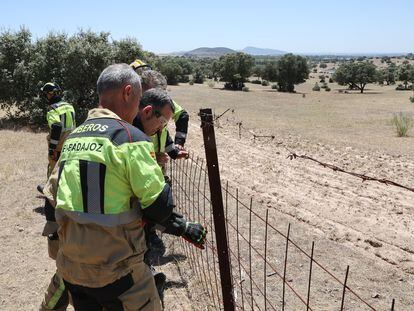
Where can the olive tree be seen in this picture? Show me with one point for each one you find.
(356, 75)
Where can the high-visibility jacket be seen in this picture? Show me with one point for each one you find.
(63, 113)
(106, 167)
(162, 140)
(61, 121)
(180, 118)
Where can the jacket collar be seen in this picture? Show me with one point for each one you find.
(102, 113)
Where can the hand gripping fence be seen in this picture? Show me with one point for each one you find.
(249, 263)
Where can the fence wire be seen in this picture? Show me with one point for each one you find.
(269, 270)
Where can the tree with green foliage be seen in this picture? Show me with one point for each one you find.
(16, 53)
(270, 71)
(127, 50)
(73, 62)
(87, 54)
(172, 71)
(258, 71)
(356, 75)
(405, 74)
(291, 70)
(198, 76)
(176, 69)
(235, 69)
(387, 74)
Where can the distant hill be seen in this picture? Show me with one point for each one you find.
(220, 51)
(209, 52)
(259, 51)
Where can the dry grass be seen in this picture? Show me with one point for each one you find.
(339, 212)
(354, 119)
(402, 123)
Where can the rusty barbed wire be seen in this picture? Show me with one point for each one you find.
(292, 155)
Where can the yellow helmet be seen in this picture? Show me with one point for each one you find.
(139, 64)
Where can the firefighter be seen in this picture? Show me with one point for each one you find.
(106, 183)
(163, 143)
(61, 121)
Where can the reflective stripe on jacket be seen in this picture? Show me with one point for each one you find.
(181, 119)
(106, 167)
(63, 113)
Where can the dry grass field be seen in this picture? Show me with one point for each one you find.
(368, 226)
(350, 130)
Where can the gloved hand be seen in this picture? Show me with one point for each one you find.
(192, 232)
(195, 233)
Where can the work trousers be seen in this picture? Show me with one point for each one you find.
(135, 291)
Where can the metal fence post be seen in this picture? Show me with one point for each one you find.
(218, 210)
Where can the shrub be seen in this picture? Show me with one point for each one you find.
(198, 76)
(322, 78)
(191, 82)
(412, 99)
(211, 83)
(316, 87)
(245, 89)
(331, 80)
(184, 79)
(256, 82)
(265, 83)
(328, 89)
(402, 123)
(324, 85)
(274, 86)
(234, 86)
(401, 87)
(323, 65)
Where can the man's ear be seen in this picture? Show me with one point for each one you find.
(147, 111)
(127, 91)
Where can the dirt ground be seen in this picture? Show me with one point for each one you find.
(368, 226)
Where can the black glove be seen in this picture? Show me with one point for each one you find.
(49, 211)
(195, 233)
(192, 232)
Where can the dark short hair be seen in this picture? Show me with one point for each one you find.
(157, 98)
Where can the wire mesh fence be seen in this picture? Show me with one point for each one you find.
(269, 269)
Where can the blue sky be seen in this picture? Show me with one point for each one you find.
(298, 26)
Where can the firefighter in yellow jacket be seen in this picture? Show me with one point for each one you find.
(163, 143)
(164, 146)
(61, 121)
(106, 183)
